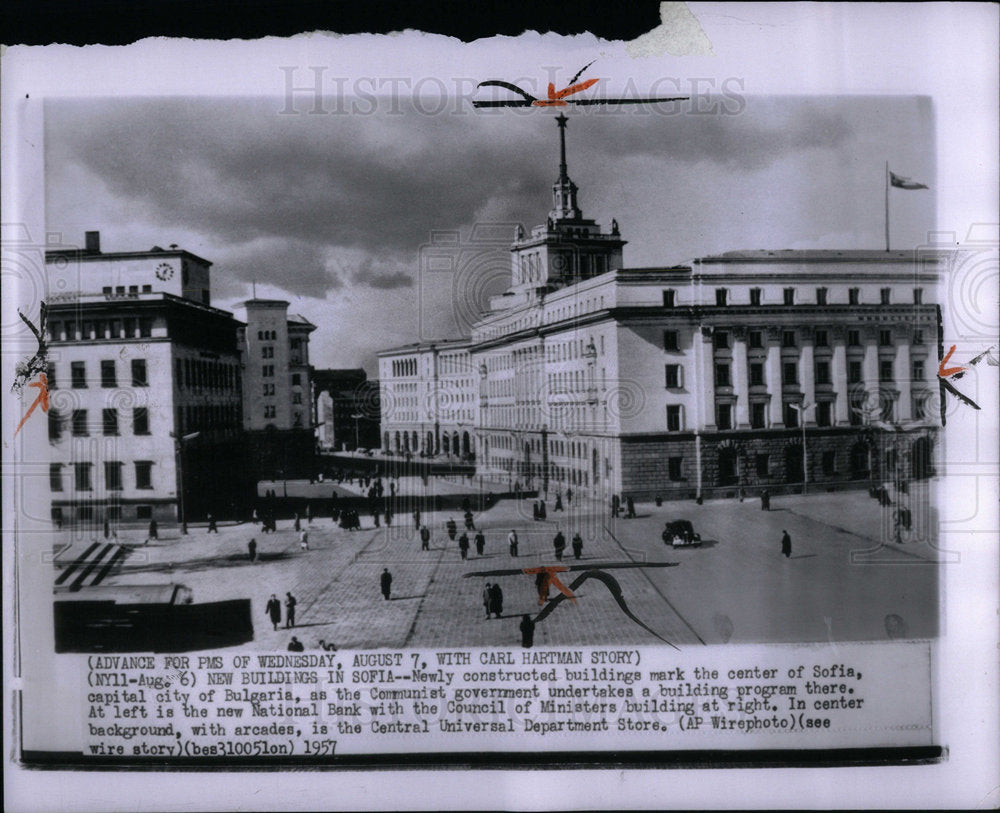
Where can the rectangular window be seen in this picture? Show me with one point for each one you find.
(855, 411)
(822, 339)
(144, 512)
(758, 415)
(790, 373)
(81, 473)
(55, 477)
(674, 418)
(260, 335)
(788, 338)
(673, 376)
(147, 289)
(140, 421)
(296, 397)
(108, 377)
(55, 427)
(139, 377)
(50, 375)
(80, 423)
(884, 294)
(724, 416)
(78, 375)
(918, 337)
(756, 338)
(720, 297)
(296, 379)
(110, 420)
(755, 296)
(106, 290)
(918, 296)
(918, 406)
(854, 338)
(854, 296)
(674, 468)
(788, 295)
(720, 340)
(791, 417)
(822, 372)
(113, 476)
(143, 474)
(668, 298)
(670, 342)
(145, 327)
(763, 465)
(722, 375)
(885, 372)
(756, 374)
(829, 463)
(824, 413)
(885, 338)
(821, 296)
(918, 370)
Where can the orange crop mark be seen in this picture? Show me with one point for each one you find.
(556, 96)
(551, 579)
(944, 372)
(42, 384)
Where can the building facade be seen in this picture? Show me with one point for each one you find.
(347, 406)
(748, 370)
(145, 417)
(428, 397)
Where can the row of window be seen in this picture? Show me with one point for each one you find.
(110, 424)
(86, 512)
(205, 374)
(267, 335)
(788, 296)
(404, 367)
(721, 339)
(113, 480)
(198, 417)
(109, 374)
(127, 328)
(119, 290)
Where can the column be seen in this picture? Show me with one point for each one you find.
(773, 376)
(741, 380)
(838, 373)
(706, 376)
(807, 377)
(903, 384)
(869, 372)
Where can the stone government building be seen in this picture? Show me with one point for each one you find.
(696, 379)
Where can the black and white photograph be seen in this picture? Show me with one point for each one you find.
(597, 408)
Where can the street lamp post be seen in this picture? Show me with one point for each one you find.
(179, 440)
(801, 409)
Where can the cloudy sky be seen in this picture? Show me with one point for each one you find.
(340, 213)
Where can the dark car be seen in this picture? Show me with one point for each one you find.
(680, 533)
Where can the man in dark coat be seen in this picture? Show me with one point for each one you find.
(386, 583)
(463, 545)
(630, 504)
(765, 500)
(416, 518)
(425, 538)
(542, 513)
(786, 544)
(452, 529)
(569, 496)
(252, 550)
(290, 603)
(273, 609)
(212, 527)
(577, 545)
(558, 505)
(153, 529)
(559, 543)
(527, 631)
(512, 543)
(480, 543)
(488, 599)
(295, 645)
(496, 600)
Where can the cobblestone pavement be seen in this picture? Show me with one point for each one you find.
(843, 582)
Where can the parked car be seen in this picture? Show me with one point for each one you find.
(680, 533)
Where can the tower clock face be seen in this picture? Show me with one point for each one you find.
(164, 271)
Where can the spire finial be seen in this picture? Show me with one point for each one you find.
(562, 145)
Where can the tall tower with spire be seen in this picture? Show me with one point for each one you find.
(567, 248)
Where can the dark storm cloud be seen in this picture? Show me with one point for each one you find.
(369, 274)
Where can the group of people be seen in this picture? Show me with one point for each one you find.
(273, 610)
(493, 600)
(616, 506)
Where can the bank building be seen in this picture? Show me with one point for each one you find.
(778, 370)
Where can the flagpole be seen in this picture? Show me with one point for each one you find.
(886, 205)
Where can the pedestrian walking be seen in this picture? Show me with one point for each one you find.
(512, 543)
(298, 523)
(786, 544)
(577, 545)
(536, 513)
(107, 529)
(252, 550)
(615, 505)
(385, 581)
(303, 540)
(290, 603)
(153, 529)
(309, 513)
(480, 543)
(742, 493)
(765, 500)
(416, 518)
(255, 517)
(559, 543)
(488, 599)
(569, 496)
(542, 512)
(295, 645)
(273, 609)
(425, 538)
(212, 527)
(496, 601)
(630, 505)
(452, 529)
(527, 631)
(559, 504)
(469, 523)
(517, 489)
(463, 545)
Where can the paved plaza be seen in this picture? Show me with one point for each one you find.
(847, 578)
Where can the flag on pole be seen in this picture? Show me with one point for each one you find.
(904, 183)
